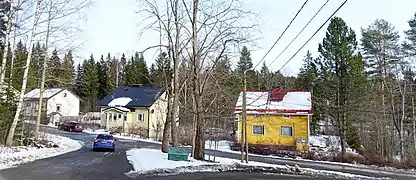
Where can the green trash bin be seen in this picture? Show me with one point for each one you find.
(178, 153)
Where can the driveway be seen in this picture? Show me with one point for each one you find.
(85, 164)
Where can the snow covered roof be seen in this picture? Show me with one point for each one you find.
(276, 101)
(135, 96)
(121, 101)
(47, 93)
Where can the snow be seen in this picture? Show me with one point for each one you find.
(221, 145)
(121, 101)
(13, 156)
(47, 93)
(153, 161)
(121, 136)
(327, 143)
(291, 101)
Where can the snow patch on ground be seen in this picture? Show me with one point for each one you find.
(152, 162)
(13, 156)
(121, 136)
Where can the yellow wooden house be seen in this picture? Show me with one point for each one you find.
(276, 117)
(137, 109)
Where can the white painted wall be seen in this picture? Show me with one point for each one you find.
(69, 104)
(158, 117)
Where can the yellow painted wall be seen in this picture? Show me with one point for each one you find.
(132, 118)
(272, 125)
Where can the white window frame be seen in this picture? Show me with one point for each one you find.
(139, 115)
(254, 133)
(281, 131)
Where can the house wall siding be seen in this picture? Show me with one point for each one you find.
(158, 117)
(272, 129)
(69, 104)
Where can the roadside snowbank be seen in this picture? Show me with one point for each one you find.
(155, 162)
(12, 156)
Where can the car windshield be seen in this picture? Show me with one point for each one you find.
(104, 136)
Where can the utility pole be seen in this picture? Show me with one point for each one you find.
(117, 73)
(245, 113)
(244, 141)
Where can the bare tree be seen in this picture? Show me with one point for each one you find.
(9, 140)
(55, 10)
(7, 45)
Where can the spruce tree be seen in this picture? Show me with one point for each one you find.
(54, 71)
(68, 71)
(103, 80)
(90, 84)
(19, 62)
(122, 69)
(79, 81)
(307, 73)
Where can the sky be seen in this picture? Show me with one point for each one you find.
(112, 26)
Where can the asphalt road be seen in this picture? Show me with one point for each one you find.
(85, 164)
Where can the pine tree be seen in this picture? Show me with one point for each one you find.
(380, 48)
(343, 73)
(90, 84)
(410, 45)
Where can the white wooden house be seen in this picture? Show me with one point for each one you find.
(57, 102)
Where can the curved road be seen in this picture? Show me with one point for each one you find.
(85, 164)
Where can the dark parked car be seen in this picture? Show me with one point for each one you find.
(71, 127)
(104, 141)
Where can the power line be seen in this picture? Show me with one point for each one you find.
(313, 35)
(287, 27)
(298, 33)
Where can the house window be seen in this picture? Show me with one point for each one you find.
(114, 117)
(64, 94)
(257, 129)
(58, 108)
(286, 116)
(119, 116)
(286, 131)
(125, 117)
(140, 117)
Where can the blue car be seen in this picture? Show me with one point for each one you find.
(104, 141)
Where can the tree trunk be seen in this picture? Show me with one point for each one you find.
(402, 148)
(166, 130)
(175, 105)
(199, 137)
(42, 83)
(6, 47)
(9, 140)
(414, 125)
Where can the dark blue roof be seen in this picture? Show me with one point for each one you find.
(142, 96)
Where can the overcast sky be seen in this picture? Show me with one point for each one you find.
(112, 26)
